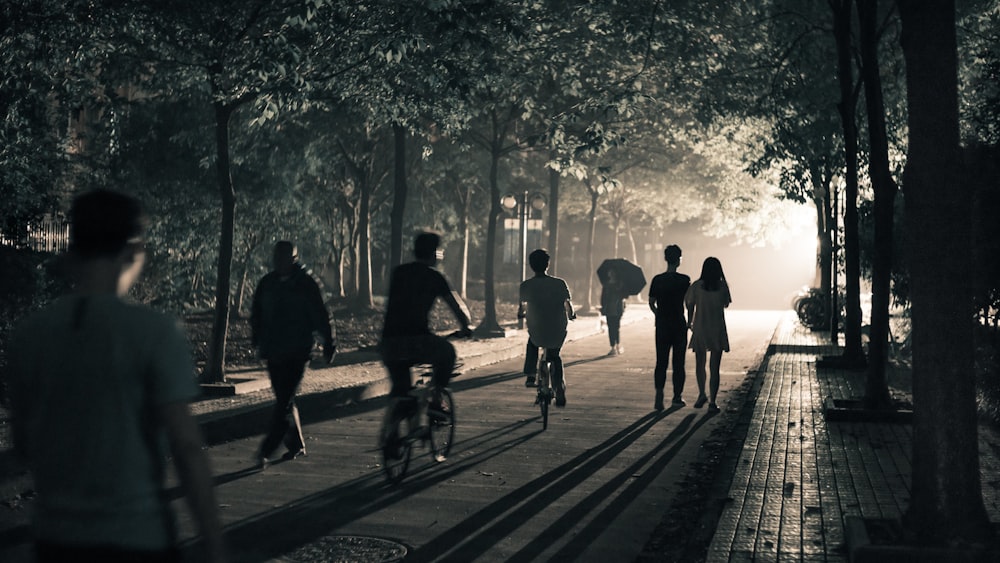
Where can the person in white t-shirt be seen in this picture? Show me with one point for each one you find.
(545, 301)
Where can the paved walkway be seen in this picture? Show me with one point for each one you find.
(791, 481)
(799, 476)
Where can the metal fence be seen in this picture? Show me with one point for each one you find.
(47, 235)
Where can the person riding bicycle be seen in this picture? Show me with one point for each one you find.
(545, 301)
(407, 339)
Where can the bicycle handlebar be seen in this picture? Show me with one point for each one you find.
(460, 333)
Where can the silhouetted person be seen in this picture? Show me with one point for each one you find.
(545, 301)
(287, 316)
(706, 301)
(666, 300)
(613, 307)
(100, 390)
(406, 335)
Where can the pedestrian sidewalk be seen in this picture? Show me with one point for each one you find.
(359, 375)
(799, 476)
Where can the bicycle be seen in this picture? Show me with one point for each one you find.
(415, 419)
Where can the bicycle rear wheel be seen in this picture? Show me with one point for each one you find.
(544, 393)
(396, 450)
(441, 425)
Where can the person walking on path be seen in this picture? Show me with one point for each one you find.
(287, 314)
(613, 307)
(666, 300)
(706, 301)
(99, 393)
(545, 301)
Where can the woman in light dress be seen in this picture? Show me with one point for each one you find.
(706, 301)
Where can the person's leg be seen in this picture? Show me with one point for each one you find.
(530, 363)
(614, 328)
(660, 369)
(699, 375)
(294, 440)
(679, 345)
(399, 378)
(282, 373)
(440, 353)
(713, 385)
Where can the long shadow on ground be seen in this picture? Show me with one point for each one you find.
(307, 519)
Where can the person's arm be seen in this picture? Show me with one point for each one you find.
(689, 303)
(570, 312)
(321, 320)
(255, 312)
(195, 476)
(458, 307)
(652, 303)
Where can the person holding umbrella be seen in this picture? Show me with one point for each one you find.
(619, 279)
(613, 307)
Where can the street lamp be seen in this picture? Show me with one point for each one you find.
(521, 204)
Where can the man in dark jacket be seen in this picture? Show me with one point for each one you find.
(288, 315)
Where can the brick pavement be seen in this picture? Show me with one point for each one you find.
(798, 476)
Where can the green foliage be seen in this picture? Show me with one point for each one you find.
(979, 58)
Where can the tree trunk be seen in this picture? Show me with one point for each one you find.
(364, 262)
(853, 355)
(399, 194)
(616, 230)
(490, 326)
(588, 303)
(946, 502)
(631, 241)
(463, 229)
(876, 385)
(554, 178)
(242, 285)
(215, 365)
(824, 243)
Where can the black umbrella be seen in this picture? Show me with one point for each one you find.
(630, 275)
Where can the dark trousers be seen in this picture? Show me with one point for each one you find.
(401, 353)
(670, 339)
(55, 553)
(286, 375)
(614, 329)
(531, 365)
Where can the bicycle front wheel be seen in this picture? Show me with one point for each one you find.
(396, 451)
(441, 424)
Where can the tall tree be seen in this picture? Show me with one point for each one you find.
(853, 354)
(946, 502)
(884, 186)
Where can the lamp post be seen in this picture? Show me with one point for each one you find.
(522, 204)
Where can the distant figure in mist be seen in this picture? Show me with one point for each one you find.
(613, 307)
(100, 390)
(287, 316)
(666, 300)
(706, 301)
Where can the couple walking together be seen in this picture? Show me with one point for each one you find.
(705, 300)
